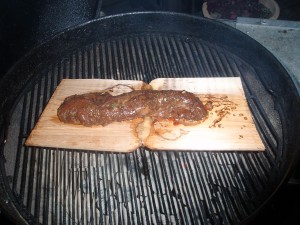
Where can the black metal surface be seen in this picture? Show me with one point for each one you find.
(57, 186)
(25, 24)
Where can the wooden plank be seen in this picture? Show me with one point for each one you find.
(229, 125)
(50, 132)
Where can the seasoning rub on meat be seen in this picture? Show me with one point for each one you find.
(101, 108)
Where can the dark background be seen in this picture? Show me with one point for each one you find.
(25, 24)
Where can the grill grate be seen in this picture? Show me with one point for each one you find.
(57, 186)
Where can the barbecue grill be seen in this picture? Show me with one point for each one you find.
(60, 186)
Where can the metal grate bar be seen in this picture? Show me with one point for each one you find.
(134, 194)
(189, 161)
(183, 169)
(27, 152)
(18, 160)
(47, 189)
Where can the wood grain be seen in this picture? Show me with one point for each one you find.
(234, 130)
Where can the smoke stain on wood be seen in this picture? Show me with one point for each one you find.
(222, 106)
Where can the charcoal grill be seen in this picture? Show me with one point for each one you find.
(60, 186)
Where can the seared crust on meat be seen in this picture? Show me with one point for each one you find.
(100, 108)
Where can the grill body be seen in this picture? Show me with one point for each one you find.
(59, 186)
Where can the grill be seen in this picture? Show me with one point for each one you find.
(59, 186)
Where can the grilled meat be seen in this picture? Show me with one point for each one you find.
(100, 108)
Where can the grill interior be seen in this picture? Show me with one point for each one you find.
(59, 186)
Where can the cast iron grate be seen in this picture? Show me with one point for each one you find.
(58, 186)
